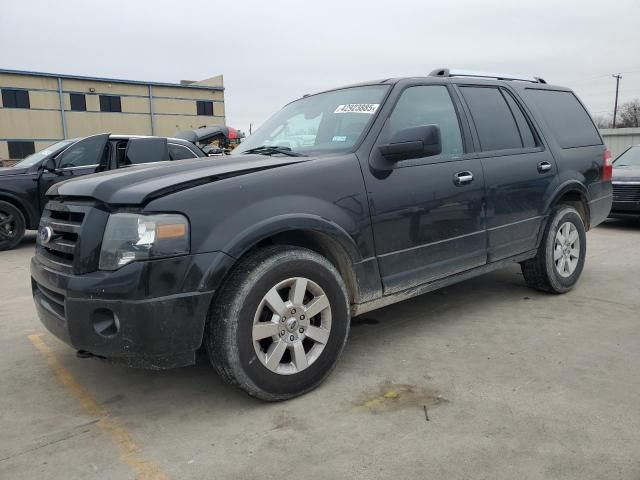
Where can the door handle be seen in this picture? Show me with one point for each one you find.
(544, 167)
(463, 178)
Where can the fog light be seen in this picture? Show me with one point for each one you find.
(105, 323)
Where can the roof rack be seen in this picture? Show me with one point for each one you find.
(445, 72)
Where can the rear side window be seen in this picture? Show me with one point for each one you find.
(526, 134)
(495, 123)
(569, 121)
(179, 152)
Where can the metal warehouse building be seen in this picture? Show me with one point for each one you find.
(38, 109)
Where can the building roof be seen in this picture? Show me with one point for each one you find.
(111, 80)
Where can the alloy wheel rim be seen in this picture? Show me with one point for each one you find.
(566, 249)
(7, 226)
(291, 326)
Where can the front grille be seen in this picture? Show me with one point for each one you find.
(65, 220)
(626, 192)
(49, 300)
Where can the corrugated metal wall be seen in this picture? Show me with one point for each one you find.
(619, 139)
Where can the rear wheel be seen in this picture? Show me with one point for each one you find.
(12, 226)
(561, 256)
(279, 323)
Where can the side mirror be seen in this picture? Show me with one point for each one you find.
(414, 142)
(50, 165)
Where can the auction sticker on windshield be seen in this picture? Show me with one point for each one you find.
(369, 108)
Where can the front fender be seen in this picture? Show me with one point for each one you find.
(245, 239)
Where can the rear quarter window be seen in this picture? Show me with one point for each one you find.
(569, 122)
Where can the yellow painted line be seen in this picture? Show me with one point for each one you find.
(129, 452)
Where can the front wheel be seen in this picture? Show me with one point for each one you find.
(560, 259)
(279, 323)
(12, 226)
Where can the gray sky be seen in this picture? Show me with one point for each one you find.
(273, 51)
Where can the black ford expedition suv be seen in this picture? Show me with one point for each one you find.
(23, 186)
(342, 202)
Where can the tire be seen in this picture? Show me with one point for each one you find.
(555, 269)
(12, 226)
(246, 299)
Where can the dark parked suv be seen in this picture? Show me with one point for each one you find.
(23, 186)
(341, 203)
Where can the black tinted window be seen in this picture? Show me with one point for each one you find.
(78, 102)
(20, 149)
(110, 103)
(568, 120)
(179, 152)
(15, 98)
(146, 150)
(526, 134)
(86, 152)
(495, 124)
(427, 105)
(204, 108)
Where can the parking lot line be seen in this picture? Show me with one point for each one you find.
(143, 468)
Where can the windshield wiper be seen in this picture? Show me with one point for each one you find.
(271, 149)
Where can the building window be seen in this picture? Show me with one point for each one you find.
(20, 149)
(110, 103)
(78, 102)
(204, 108)
(15, 98)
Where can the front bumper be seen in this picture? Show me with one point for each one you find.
(147, 314)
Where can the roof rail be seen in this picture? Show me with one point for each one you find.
(445, 72)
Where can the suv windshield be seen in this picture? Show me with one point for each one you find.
(38, 156)
(630, 158)
(324, 123)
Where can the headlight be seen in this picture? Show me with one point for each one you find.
(130, 237)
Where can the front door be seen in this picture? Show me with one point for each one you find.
(427, 213)
(82, 158)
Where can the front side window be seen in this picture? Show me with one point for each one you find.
(329, 122)
(426, 105)
(87, 152)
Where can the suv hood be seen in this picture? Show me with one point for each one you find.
(7, 171)
(140, 184)
(626, 174)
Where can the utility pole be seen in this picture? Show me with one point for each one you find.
(617, 76)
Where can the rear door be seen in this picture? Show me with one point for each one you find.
(82, 158)
(518, 169)
(427, 213)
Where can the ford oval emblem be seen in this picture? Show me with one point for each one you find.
(46, 234)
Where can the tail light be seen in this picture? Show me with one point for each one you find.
(607, 166)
